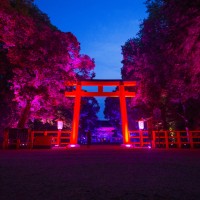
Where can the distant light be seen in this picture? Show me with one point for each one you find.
(73, 146)
(60, 124)
(141, 124)
(149, 147)
(127, 145)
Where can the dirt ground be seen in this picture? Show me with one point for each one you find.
(100, 172)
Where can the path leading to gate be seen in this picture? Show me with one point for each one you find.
(100, 172)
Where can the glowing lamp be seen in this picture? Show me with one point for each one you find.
(59, 124)
(73, 146)
(127, 146)
(141, 124)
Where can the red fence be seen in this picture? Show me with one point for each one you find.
(165, 139)
(31, 139)
(58, 138)
(138, 138)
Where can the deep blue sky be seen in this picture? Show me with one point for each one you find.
(101, 27)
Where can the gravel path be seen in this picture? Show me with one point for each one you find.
(100, 172)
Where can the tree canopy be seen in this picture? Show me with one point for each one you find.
(38, 59)
(164, 60)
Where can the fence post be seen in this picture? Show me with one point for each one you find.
(141, 138)
(31, 139)
(166, 140)
(18, 143)
(178, 136)
(191, 139)
(5, 139)
(58, 137)
(45, 133)
(153, 139)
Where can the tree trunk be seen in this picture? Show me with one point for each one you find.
(163, 117)
(185, 120)
(24, 116)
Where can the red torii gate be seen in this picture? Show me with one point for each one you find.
(121, 93)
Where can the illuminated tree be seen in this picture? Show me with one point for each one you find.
(164, 59)
(42, 58)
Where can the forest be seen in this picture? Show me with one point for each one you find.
(36, 58)
(164, 59)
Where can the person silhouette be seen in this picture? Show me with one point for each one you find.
(88, 133)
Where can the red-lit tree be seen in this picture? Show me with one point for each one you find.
(42, 58)
(165, 58)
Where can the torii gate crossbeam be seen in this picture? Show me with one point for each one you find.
(121, 93)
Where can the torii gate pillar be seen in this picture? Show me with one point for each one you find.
(121, 93)
(124, 121)
(77, 107)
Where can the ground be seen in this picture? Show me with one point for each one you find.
(100, 172)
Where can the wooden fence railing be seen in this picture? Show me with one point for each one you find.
(138, 138)
(31, 139)
(58, 138)
(165, 139)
